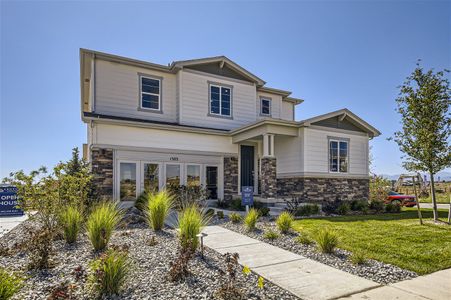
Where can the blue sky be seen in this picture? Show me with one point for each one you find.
(333, 54)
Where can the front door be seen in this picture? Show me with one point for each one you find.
(247, 165)
(212, 181)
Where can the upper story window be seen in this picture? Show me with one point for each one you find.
(220, 100)
(265, 106)
(150, 93)
(338, 156)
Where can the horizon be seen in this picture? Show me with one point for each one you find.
(338, 55)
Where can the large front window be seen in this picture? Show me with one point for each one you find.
(127, 181)
(338, 156)
(220, 100)
(150, 93)
(172, 175)
(193, 175)
(151, 177)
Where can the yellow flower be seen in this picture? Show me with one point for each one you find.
(261, 283)
(246, 270)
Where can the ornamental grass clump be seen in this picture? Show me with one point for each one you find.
(191, 221)
(271, 235)
(157, 209)
(109, 272)
(327, 240)
(71, 220)
(304, 239)
(284, 222)
(10, 284)
(101, 224)
(235, 217)
(251, 219)
(358, 257)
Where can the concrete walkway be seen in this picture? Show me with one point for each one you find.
(9, 222)
(305, 278)
(429, 205)
(433, 286)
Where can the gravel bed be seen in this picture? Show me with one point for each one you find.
(150, 265)
(373, 270)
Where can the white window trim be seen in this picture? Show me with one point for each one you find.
(338, 155)
(152, 94)
(261, 106)
(220, 100)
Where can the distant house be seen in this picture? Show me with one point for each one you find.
(209, 121)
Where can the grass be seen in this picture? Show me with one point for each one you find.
(101, 224)
(190, 224)
(10, 284)
(270, 234)
(326, 240)
(396, 239)
(251, 219)
(71, 220)
(284, 222)
(441, 198)
(157, 209)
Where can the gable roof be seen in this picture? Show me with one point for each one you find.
(221, 61)
(342, 114)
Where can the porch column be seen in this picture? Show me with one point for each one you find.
(268, 165)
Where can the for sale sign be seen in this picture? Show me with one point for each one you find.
(9, 201)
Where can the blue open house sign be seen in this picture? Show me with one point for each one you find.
(8, 201)
(247, 195)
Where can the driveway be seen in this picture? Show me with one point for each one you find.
(7, 223)
(429, 205)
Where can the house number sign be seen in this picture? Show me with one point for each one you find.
(174, 158)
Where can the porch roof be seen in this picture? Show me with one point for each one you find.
(265, 126)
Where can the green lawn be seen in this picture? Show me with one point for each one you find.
(441, 198)
(397, 239)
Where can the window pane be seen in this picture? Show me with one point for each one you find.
(225, 91)
(225, 112)
(127, 186)
(333, 156)
(151, 173)
(150, 85)
(265, 107)
(214, 107)
(150, 101)
(173, 175)
(343, 157)
(193, 175)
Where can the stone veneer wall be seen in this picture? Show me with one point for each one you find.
(268, 177)
(102, 169)
(324, 189)
(230, 177)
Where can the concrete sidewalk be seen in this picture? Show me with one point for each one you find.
(305, 278)
(429, 205)
(433, 286)
(7, 223)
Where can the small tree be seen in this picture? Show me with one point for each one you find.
(424, 104)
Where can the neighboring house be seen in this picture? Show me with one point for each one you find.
(211, 122)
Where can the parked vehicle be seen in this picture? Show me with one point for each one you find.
(403, 200)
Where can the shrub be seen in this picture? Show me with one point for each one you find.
(358, 257)
(271, 235)
(210, 212)
(307, 210)
(179, 268)
(235, 217)
(392, 208)
(304, 239)
(190, 224)
(71, 219)
(358, 205)
(251, 219)
(10, 284)
(101, 223)
(220, 214)
(235, 204)
(331, 207)
(263, 211)
(343, 209)
(109, 272)
(377, 206)
(158, 208)
(284, 222)
(39, 247)
(185, 195)
(326, 240)
(221, 203)
(229, 289)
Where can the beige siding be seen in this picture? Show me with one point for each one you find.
(288, 152)
(120, 135)
(194, 103)
(287, 112)
(276, 103)
(316, 153)
(117, 92)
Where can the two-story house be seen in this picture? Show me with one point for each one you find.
(211, 122)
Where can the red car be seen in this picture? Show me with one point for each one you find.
(403, 200)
